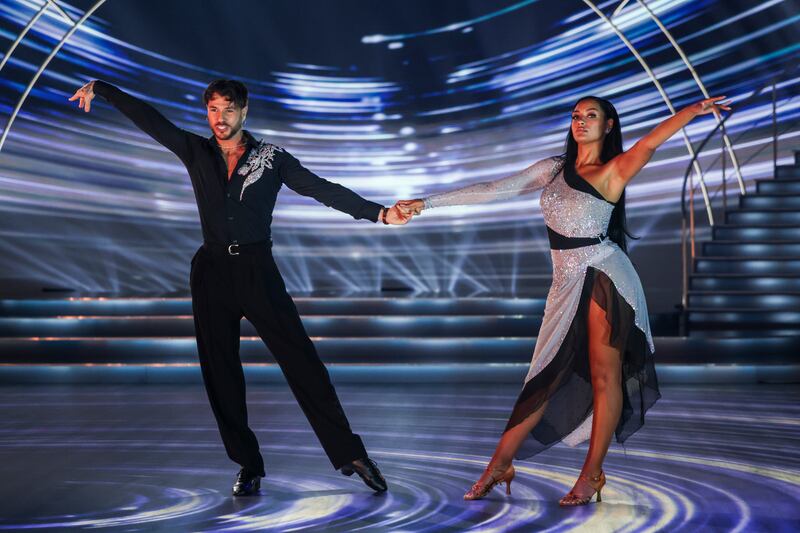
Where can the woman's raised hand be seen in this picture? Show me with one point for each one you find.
(86, 95)
(715, 104)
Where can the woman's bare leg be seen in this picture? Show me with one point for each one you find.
(512, 439)
(606, 372)
(500, 464)
(605, 364)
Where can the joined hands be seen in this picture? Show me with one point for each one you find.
(410, 207)
(403, 211)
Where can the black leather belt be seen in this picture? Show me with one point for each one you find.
(560, 242)
(237, 249)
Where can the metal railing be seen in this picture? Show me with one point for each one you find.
(688, 226)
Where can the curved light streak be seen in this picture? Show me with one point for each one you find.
(23, 33)
(619, 8)
(186, 503)
(43, 66)
(30, 24)
(300, 513)
(373, 39)
(66, 16)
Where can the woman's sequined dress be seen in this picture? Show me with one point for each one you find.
(586, 266)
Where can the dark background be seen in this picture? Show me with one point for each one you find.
(464, 91)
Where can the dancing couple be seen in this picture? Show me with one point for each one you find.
(592, 373)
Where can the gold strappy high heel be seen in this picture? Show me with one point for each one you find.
(479, 491)
(597, 483)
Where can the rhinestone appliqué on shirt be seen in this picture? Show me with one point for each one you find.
(258, 160)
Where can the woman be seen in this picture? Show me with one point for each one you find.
(592, 373)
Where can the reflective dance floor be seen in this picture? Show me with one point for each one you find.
(144, 458)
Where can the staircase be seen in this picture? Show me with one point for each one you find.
(156, 331)
(746, 280)
(363, 340)
(743, 317)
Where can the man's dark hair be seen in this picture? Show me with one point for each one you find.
(233, 90)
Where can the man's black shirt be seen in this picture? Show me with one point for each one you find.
(238, 210)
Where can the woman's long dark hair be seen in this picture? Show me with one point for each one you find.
(612, 147)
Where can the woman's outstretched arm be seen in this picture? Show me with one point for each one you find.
(627, 164)
(533, 178)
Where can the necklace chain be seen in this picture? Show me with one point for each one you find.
(227, 151)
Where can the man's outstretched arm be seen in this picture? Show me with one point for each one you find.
(303, 181)
(145, 116)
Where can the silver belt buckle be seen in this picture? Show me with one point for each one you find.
(231, 251)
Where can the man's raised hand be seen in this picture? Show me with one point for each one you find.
(86, 95)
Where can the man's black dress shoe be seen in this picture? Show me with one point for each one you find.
(368, 471)
(246, 483)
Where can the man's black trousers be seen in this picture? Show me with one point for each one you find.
(226, 288)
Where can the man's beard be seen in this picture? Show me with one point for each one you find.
(227, 133)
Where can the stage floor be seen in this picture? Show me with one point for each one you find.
(144, 458)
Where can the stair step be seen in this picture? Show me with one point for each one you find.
(305, 305)
(751, 249)
(744, 282)
(252, 350)
(772, 186)
(699, 332)
(316, 326)
(130, 353)
(759, 201)
(764, 265)
(786, 301)
(787, 171)
(738, 232)
(763, 216)
(743, 319)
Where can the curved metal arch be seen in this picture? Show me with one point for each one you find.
(619, 8)
(61, 11)
(43, 66)
(664, 96)
(701, 85)
(30, 24)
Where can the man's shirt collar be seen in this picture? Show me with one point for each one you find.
(250, 141)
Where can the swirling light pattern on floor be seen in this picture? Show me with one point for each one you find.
(140, 458)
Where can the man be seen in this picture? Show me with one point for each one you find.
(236, 179)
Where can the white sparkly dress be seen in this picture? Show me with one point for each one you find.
(587, 265)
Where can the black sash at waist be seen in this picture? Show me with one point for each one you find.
(560, 242)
